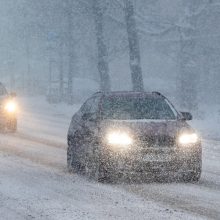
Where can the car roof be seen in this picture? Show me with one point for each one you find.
(113, 94)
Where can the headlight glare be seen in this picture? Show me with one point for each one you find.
(10, 107)
(185, 139)
(119, 138)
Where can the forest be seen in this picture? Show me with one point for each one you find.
(78, 47)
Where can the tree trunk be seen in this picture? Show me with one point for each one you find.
(103, 68)
(134, 50)
(61, 72)
(70, 54)
(188, 63)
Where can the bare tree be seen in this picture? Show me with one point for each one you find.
(188, 56)
(70, 50)
(134, 50)
(103, 68)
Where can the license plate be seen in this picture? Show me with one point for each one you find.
(157, 158)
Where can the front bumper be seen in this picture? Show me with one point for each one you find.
(155, 161)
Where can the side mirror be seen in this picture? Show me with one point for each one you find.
(187, 116)
(13, 94)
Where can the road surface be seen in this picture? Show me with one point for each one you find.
(34, 182)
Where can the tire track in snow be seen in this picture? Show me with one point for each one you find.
(175, 201)
(202, 198)
(48, 142)
(40, 154)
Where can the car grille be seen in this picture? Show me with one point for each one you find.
(156, 141)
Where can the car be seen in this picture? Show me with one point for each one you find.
(133, 135)
(8, 110)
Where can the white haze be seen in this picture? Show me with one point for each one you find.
(41, 24)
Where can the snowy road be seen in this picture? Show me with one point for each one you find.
(34, 183)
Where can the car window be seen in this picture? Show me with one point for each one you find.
(95, 105)
(85, 107)
(91, 105)
(128, 108)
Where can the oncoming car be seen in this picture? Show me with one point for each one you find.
(8, 116)
(133, 135)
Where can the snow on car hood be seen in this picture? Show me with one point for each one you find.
(147, 127)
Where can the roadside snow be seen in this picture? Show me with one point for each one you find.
(207, 121)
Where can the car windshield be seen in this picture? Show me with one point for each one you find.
(2, 90)
(134, 108)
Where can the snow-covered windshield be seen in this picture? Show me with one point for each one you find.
(2, 90)
(131, 108)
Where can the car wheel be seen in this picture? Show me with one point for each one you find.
(96, 168)
(195, 177)
(12, 126)
(195, 172)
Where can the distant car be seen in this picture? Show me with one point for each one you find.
(8, 110)
(133, 134)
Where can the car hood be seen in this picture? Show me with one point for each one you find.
(147, 127)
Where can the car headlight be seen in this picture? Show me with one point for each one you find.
(185, 139)
(10, 107)
(118, 138)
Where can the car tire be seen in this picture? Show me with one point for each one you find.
(195, 172)
(192, 176)
(12, 126)
(195, 177)
(96, 168)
